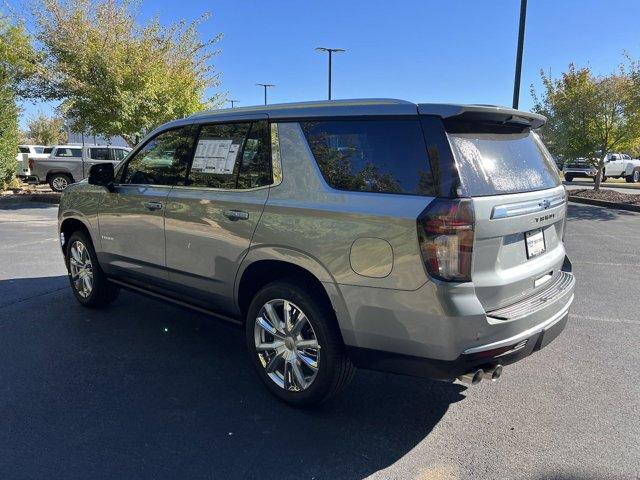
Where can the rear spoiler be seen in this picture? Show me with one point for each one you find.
(482, 113)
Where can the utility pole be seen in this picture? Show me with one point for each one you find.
(516, 83)
(330, 51)
(265, 86)
(233, 102)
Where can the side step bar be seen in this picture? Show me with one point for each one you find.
(175, 301)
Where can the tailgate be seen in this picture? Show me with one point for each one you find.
(505, 268)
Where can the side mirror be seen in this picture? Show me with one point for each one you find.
(102, 174)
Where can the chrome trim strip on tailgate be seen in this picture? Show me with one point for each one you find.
(523, 335)
(523, 208)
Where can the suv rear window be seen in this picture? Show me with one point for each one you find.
(491, 163)
(386, 156)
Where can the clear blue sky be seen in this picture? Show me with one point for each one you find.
(427, 51)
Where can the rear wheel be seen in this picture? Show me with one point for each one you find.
(295, 345)
(88, 282)
(568, 178)
(59, 181)
(634, 177)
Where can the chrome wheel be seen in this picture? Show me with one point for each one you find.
(287, 345)
(60, 183)
(636, 176)
(81, 269)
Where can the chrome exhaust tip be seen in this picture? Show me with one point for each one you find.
(472, 378)
(493, 374)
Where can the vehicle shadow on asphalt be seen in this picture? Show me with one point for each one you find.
(146, 390)
(18, 203)
(588, 212)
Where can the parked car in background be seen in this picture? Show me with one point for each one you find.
(27, 152)
(71, 163)
(418, 239)
(616, 165)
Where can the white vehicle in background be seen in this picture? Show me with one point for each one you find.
(27, 152)
(71, 163)
(616, 165)
(621, 165)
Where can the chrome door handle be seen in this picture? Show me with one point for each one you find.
(236, 215)
(153, 205)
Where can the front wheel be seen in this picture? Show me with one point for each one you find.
(568, 178)
(89, 284)
(295, 346)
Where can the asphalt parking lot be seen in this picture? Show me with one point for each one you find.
(146, 390)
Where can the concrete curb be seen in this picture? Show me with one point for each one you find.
(603, 203)
(11, 199)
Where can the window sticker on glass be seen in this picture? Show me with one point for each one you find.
(215, 156)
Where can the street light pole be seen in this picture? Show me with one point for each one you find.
(330, 51)
(516, 83)
(265, 86)
(233, 102)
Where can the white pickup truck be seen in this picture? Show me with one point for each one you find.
(71, 163)
(616, 165)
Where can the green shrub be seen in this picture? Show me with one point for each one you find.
(8, 135)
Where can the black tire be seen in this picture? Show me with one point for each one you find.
(335, 369)
(568, 178)
(102, 292)
(634, 177)
(60, 181)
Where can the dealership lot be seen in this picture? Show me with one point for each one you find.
(147, 390)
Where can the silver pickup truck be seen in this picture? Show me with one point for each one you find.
(71, 163)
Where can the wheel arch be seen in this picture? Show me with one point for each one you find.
(70, 225)
(262, 268)
(54, 171)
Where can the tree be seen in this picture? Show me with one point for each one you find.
(44, 130)
(589, 116)
(117, 77)
(17, 60)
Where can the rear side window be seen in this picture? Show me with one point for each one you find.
(491, 163)
(68, 152)
(24, 149)
(47, 149)
(387, 156)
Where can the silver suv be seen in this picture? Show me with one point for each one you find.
(418, 239)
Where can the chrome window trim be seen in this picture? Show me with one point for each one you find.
(524, 208)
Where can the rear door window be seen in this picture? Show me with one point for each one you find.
(68, 152)
(376, 155)
(495, 162)
(99, 153)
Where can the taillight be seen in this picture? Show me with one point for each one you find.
(31, 164)
(445, 233)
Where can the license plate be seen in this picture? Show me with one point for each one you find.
(535, 243)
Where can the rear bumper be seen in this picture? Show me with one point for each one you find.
(468, 361)
(460, 339)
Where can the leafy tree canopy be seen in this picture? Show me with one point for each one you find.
(44, 130)
(116, 76)
(590, 116)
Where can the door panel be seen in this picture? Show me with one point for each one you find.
(131, 220)
(208, 233)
